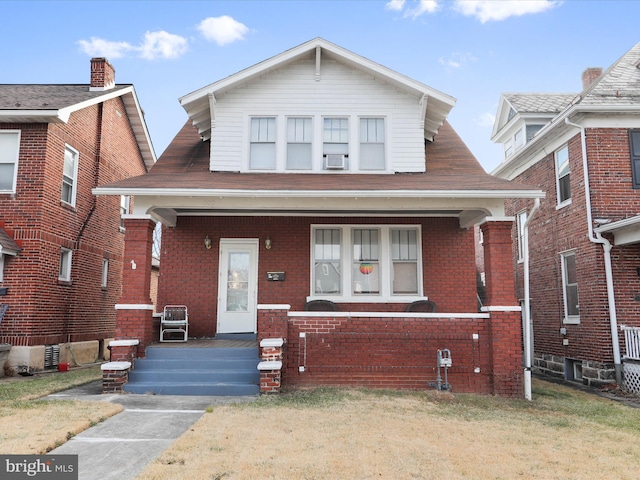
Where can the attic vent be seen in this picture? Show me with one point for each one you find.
(335, 161)
(51, 356)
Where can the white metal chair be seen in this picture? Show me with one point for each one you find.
(174, 324)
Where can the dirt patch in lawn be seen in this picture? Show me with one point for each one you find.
(364, 435)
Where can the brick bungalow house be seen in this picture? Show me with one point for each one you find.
(319, 175)
(583, 150)
(61, 248)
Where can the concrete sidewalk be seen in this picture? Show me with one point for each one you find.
(122, 446)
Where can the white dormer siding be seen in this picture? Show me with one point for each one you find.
(340, 92)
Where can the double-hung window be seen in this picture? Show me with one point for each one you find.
(299, 135)
(70, 175)
(372, 144)
(563, 175)
(570, 288)
(634, 145)
(64, 272)
(9, 149)
(365, 276)
(327, 262)
(404, 261)
(384, 262)
(262, 154)
(335, 146)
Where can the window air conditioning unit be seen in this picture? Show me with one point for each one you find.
(335, 161)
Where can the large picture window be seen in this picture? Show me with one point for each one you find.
(384, 260)
(9, 150)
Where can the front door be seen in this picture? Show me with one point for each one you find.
(238, 286)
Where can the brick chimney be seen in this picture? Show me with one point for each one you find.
(103, 75)
(589, 76)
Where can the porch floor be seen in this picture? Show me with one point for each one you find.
(206, 343)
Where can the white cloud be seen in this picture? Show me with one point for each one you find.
(159, 44)
(456, 60)
(98, 47)
(486, 120)
(222, 30)
(424, 6)
(491, 10)
(395, 5)
(162, 44)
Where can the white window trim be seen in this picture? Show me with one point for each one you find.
(15, 163)
(564, 203)
(317, 143)
(346, 239)
(64, 273)
(567, 319)
(1, 267)
(74, 190)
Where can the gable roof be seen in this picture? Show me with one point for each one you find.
(436, 105)
(42, 103)
(616, 90)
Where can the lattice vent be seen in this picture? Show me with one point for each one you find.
(631, 376)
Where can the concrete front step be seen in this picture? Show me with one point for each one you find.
(211, 389)
(196, 371)
(201, 376)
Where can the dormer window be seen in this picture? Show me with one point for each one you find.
(335, 146)
(372, 144)
(263, 143)
(299, 136)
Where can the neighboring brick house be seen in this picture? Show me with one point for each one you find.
(61, 248)
(320, 175)
(583, 243)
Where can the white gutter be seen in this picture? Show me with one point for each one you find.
(214, 192)
(606, 247)
(528, 341)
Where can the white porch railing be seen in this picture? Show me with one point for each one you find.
(631, 369)
(632, 342)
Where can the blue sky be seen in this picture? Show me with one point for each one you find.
(471, 50)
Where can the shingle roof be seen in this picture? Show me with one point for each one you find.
(619, 84)
(539, 102)
(46, 97)
(185, 165)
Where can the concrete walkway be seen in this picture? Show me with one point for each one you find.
(122, 446)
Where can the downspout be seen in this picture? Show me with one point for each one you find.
(606, 248)
(528, 344)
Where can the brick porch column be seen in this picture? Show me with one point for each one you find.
(506, 323)
(134, 319)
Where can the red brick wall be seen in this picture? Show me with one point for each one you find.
(398, 352)
(557, 230)
(43, 310)
(189, 272)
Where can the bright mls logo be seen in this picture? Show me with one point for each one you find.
(51, 467)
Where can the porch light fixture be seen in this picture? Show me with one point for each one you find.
(267, 243)
(207, 242)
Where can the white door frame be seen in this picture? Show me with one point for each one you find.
(244, 321)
